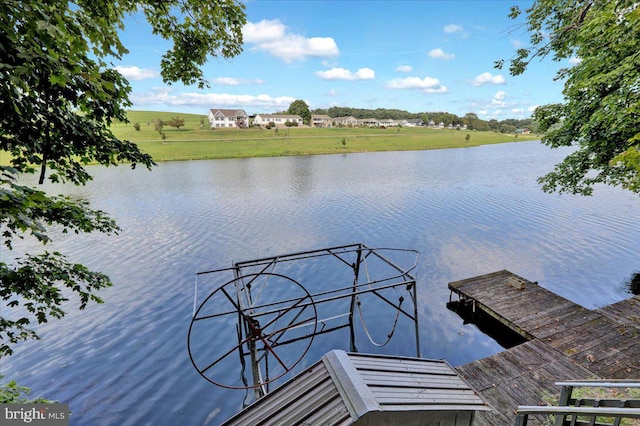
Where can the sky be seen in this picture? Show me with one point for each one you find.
(418, 56)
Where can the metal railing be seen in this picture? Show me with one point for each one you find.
(586, 411)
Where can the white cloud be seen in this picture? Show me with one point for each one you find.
(227, 81)
(488, 78)
(165, 96)
(455, 29)
(272, 36)
(516, 43)
(500, 95)
(264, 31)
(500, 104)
(427, 84)
(532, 108)
(574, 60)
(230, 81)
(345, 74)
(404, 68)
(137, 74)
(440, 54)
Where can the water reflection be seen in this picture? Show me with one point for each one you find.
(633, 284)
(503, 335)
(468, 212)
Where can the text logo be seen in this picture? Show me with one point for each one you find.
(34, 414)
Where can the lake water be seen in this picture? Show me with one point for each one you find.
(468, 212)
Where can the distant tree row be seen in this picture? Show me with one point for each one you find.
(472, 120)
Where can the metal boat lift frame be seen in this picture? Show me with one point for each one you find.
(250, 270)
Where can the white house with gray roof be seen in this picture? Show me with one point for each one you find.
(227, 118)
(277, 119)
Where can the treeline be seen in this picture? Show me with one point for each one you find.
(472, 121)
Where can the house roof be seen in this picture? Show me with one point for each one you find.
(320, 116)
(228, 112)
(280, 116)
(351, 388)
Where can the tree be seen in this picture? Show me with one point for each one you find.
(176, 122)
(600, 114)
(12, 393)
(158, 125)
(59, 96)
(300, 108)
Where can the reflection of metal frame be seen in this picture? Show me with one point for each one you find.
(263, 324)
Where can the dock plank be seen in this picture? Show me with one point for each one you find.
(625, 312)
(506, 379)
(565, 342)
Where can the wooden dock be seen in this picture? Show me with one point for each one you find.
(565, 342)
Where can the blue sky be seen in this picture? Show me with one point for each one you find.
(417, 56)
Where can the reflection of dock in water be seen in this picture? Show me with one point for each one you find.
(564, 341)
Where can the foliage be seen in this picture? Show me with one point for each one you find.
(176, 122)
(12, 393)
(59, 97)
(601, 110)
(470, 119)
(158, 125)
(300, 108)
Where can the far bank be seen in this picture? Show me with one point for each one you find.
(195, 141)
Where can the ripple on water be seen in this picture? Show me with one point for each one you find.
(468, 212)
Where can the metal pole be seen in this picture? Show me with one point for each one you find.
(251, 330)
(356, 273)
(415, 316)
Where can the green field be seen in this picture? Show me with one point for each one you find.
(196, 141)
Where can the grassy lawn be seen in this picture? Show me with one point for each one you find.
(197, 141)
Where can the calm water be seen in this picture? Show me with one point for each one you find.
(468, 212)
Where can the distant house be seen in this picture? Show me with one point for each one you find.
(368, 122)
(323, 121)
(431, 124)
(346, 121)
(441, 125)
(387, 122)
(413, 122)
(522, 132)
(228, 118)
(277, 119)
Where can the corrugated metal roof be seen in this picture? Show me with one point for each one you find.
(415, 384)
(309, 398)
(350, 388)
